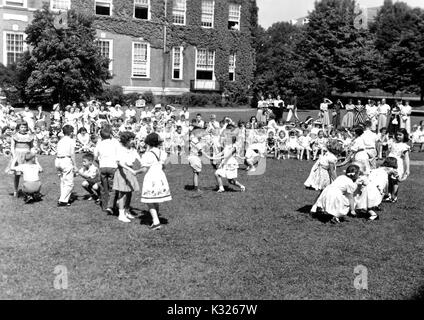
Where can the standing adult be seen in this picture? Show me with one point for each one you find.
(106, 153)
(372, 114)
(383, 114)
(394, 122)
(40, 117)
(66, 165)
(292, 107)
(336, 114)
(324, 112)
(279, 108)
(360, 114)
(28, 117)
(405, 117)
(260, 113)
(348, 118)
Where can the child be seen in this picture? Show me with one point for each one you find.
(318, 144)
(83, 140)
(271, 144)
(30, 170)
(293, 145)
(305, 143)
(196, 151)
(53, 142)
(417, 138)
(376, 187)
(323, 173)
(155, 185)
(228, 167)
(44, 147)
(337, 199)
(281, 145)
(90, 173)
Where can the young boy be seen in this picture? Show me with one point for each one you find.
(90, 173)
(30, 171)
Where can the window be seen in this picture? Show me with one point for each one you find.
(14, 47)
(106, 50)
(104, 7)
(208, 7)
(141, 60)
(205, 62)
(234, 17)
(141, 9)
(179, 12)
(16, 3)
(232, 67)
(60, 4)
(177, 63)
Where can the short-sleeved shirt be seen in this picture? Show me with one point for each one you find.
(151, 157)
(92, 172)
(127, 156)
(66, 147)
(344, 184)
(31, 172)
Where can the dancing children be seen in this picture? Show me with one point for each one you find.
(66, 165)
(125, 180)
(155, 185)
(30, 170)
(323, 173)
(90, 173)
(228, 167)
(337, 199)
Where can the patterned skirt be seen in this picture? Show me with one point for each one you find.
(125, 181)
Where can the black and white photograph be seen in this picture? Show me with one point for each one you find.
(191, 151)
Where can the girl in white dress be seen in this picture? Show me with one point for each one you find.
(405, 116)
(323, 173)
(400, 149)
(337, 199)
(155, 188)
(376, 187)
(228, 167)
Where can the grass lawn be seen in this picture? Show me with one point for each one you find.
(255, 245)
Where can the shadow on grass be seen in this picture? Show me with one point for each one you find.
(227, 189)
(146, 219)
(320, 216)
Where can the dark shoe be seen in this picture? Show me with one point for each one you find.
(63, 204)
(394, 200)
(155, 227)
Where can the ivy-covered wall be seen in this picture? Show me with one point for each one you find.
(220, 39)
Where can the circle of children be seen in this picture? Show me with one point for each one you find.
(160, 133)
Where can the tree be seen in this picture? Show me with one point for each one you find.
(338, 51)
(66, 63)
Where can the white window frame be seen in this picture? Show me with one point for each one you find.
(147, 76)
(110, 41)
(232, 69)
(148, 10)
(110, 2)
(56, 9)
(185, 13)
(230, 19)
(213, 14)
(24, 46)
(24, 3)
(181, 68)
(205, 69)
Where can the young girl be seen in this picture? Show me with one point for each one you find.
(305, 143)
(281, 145)
(399, 149)
(337, 198)
(228, 167)
(155, 185)
(376, 187)
(83, 140)
(271, 144)
(22, 143)
(382, 142)
(30, 171)
(293, 145)
(125, 180)
(318, 144)
(323, 172)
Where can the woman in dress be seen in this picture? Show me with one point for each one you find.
(405, 116)
(400, 149)
(325, 113)
(383, 113)
(360, 114)
(260, 116)
(40, 117)
(155, 185)
(28, 117)
(337, 199)
(125, 179)
(336, 114)
(22, 143)
(348, 118)
(394, 122)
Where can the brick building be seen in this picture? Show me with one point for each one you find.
(164, 46)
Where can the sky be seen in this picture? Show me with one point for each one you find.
(271, 11)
